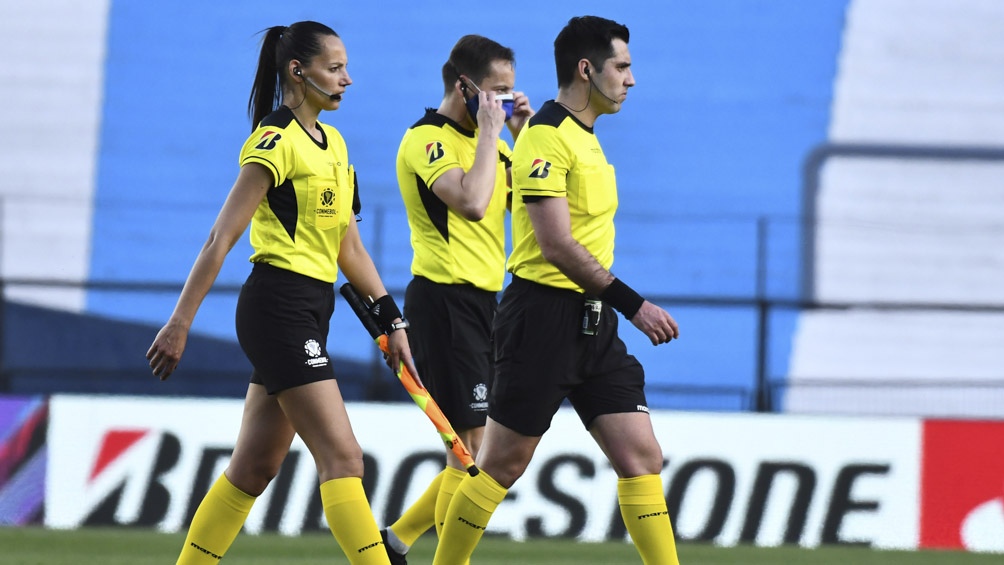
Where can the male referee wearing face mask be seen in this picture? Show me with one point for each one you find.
(453, 172)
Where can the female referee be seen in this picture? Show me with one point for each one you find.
(296, 189)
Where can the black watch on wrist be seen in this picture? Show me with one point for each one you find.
(402, 325)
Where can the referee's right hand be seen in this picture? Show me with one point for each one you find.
(165, 352)
(491, 116)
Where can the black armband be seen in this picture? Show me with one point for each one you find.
(385, 311)
(623, 298)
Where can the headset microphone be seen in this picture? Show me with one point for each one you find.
(313, 85)
(330, 96)
(594, 85)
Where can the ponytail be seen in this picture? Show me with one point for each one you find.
(266, 92)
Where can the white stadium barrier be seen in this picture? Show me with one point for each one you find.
(736, 478)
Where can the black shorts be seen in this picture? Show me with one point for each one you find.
(450, 339)
(282, 326)
(541, 358)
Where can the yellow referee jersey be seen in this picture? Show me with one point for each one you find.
(448, 248)
(557, 156)
(299, 225)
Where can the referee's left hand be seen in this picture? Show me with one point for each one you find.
(400, 352)
(656, 323)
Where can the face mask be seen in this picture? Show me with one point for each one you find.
(508, 100)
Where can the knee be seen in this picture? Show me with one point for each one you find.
(644, 462)
(505, 473)
(344, 463)
(652, 459)
(473, 444)
(254, 478)
(472, 439)
(352, 467)
(652, 465)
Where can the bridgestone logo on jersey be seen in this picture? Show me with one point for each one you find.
(434, 151)
(539, 169)
(268, 140)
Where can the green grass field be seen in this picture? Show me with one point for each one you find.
(35, 546)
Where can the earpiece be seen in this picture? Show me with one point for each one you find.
(593, 85)
(297, 72)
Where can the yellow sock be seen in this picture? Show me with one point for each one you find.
(467, 518)
(351, 521)
(451, 480)
(216, 523)
(643, 507)
(420, 516)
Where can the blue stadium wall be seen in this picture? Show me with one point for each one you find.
(731, 95)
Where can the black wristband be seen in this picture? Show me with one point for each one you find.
(623, 298)
(385, 311)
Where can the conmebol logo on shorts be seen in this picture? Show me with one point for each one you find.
(313, 349)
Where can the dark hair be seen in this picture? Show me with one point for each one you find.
(281, 44)
(472, 57)
(588, 37)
